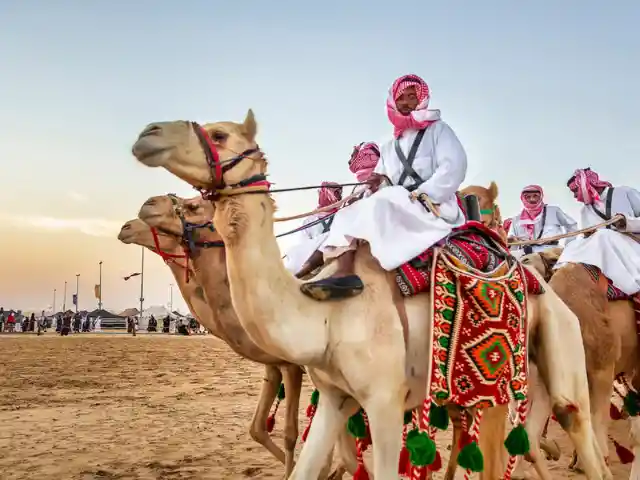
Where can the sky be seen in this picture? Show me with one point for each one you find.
(532, 89)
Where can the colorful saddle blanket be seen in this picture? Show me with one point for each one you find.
(473, 245)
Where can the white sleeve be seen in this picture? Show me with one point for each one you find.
(569, 224)
(450, 166)
(633, 223)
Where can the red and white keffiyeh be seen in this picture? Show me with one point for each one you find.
(584, 184)
(421, 117)
(531, 210)
(364, 160)
(329, 194)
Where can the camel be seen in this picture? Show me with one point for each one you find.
(223, 323)
(609, 331)
(489, 209)
(354, 350)
(169, 214)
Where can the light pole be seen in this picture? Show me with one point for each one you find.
(142, 283)
(54, 301)
(64, 300)
(100, 288)
(171, 297)
(77, 285)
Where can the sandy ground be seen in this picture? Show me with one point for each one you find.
(150, 407)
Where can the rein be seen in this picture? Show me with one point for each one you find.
(170, 257)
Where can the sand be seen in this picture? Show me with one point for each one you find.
(94, 406)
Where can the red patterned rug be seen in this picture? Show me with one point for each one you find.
(479, 335)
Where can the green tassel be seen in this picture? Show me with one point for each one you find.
(422, 449)
(439, 417)
(632, 404)
(314, 398)
(281, 392)
(470, 458)
(517, 442)
(408, 417)
(356, 426)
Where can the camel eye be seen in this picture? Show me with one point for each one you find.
(217, 136)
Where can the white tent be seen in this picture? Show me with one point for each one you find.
(159, 312)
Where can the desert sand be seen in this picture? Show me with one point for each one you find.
(106, 406)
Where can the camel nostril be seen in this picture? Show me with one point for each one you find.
(150, 130)
(150, 203)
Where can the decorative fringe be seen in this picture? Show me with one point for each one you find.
(271, 419)
(361, 471)
(404, 465)
(470, 457)
(311, 411)
(625, 455)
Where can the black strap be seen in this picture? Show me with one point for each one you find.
(543, 223)
(326, 223)
(606, 216)
(407, 162)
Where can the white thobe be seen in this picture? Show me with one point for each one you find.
(309, 240)
(615, 254)
(397, 228)
(556, 222)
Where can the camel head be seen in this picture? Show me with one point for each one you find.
(208, 157)
(543, 262)
(487, 199)
(174, 215)
(139, 233)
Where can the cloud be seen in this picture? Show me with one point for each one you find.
(76, 196)
(96, 227)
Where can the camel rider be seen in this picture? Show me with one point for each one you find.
(302, 258)
(537, 220)
(613, 249)
(424, 157)
(364, 159)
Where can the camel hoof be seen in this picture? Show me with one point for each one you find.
(575, 466)
(551, 449)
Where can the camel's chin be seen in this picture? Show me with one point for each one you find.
(126, 239)
(152, 151)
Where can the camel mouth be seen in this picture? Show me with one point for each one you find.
(126, 236)
(151, 150)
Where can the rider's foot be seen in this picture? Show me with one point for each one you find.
(343, 284)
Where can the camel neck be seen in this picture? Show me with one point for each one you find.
(267, 298)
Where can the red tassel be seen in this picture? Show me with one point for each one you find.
(361, 473)
(404, 466)
(311, 409)
(624, 454)
(271, 422)
(305, 434)
(423, 473)
(615, 413)
(437, 463)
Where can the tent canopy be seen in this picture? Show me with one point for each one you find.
(102, 314)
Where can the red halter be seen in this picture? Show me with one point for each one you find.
(171, 257)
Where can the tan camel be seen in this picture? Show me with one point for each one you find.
(223, 323)
(489, 209)
(608, 329)
(355, 350)
(169, 213)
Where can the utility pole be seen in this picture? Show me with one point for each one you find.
(54, 301)
(64, 300)
(77, 285)
(141, 288)
(100, 287)
(171, 297)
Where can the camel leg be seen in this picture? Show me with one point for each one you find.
(292, 387)
(492, 436)
(386, 420)
(268, 393)
(452, 465)
(328, 420)
(601, 386)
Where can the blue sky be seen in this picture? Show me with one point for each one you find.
(533, 91)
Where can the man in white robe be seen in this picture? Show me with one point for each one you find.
(614, 250)
(537, 221)
(304, 256)
(424, 158)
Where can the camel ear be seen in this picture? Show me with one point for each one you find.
(552, 255)
(493, 191)
(250, 126)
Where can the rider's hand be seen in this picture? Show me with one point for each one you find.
(374, 181)
(620, 224)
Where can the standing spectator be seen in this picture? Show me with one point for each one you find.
(66, 326)
(1, 319)
(166, 324)
(11, 322)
